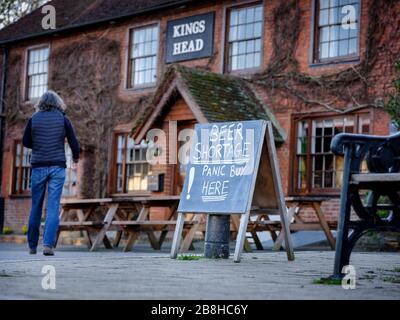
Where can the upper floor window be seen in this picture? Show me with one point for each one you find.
(337, 26)
(131, 167)
(142, 69)
(244, 38)
(37, 73)
(316, 168)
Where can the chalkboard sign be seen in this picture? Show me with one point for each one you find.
(222, 167)
(233, 167)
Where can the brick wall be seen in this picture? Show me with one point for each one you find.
(283, 106)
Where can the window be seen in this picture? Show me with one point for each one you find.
(70, 185)
(143, 57)
(337, 28)
(37, 73)
(132, 169)
(316, 167)
(244, 38)
(22, 169)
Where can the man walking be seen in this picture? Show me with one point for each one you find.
(45, 134)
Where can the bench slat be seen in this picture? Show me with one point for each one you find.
(376, 177)
(149, 223)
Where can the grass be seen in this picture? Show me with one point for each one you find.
(328, 281)
(4, 275)
(187, 257)
(392, 279)
(367, 277)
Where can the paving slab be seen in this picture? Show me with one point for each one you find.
(146, 274)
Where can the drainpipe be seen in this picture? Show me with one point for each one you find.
(2, 125)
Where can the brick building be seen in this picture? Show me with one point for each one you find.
(313, 67)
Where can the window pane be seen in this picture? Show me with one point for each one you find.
(323, 4)
(234, 18)
(324, 50)
(353, 46)
(333, 49)
(324, 17)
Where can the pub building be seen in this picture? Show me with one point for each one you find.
(314, 68)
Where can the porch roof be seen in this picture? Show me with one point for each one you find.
(212, 97)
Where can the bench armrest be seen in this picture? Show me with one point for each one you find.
(342, 139)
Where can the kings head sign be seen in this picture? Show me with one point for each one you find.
(222, 167)
(190, 38)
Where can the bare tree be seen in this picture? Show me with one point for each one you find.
(12, 10)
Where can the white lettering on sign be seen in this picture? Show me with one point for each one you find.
(188, 46)
(224, 152)
(188, 29)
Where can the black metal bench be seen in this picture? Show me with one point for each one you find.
(382, 155)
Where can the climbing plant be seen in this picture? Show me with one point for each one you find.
(393, 104)
(343, 91)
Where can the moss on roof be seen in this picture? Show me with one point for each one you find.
(220, 98)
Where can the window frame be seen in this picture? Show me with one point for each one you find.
(16, 186)
(225, 44)
(129, 65)
(293, 163)
(113, 174)
(314, 39)
(26, 76)
(68, 171)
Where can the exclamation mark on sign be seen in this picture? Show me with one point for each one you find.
(191, 178)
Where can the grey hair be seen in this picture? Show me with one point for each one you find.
(50, 100)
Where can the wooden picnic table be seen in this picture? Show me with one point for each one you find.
(262, 222)
(295, 205)
(124, 214)
(132, 215)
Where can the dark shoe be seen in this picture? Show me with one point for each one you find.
(47, 251)
(32, 251)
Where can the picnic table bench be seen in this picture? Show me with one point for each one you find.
(382, 155)
(123, 214)
(263, 221)
(130, 215)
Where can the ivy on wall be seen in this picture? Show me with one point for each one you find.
(87, 77)
(343, 91)
(393, 104)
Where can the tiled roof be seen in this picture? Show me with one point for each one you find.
(75, 13)
(219, 97)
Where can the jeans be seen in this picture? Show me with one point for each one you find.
(53, 178)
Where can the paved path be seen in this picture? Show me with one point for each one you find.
(148, 275)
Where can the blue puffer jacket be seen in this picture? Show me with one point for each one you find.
(45, 134)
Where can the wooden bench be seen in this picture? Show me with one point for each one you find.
(123, 214)
(142, 224)
(382, 155)
(89, 220)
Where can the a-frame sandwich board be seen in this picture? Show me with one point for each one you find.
(260, 187)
